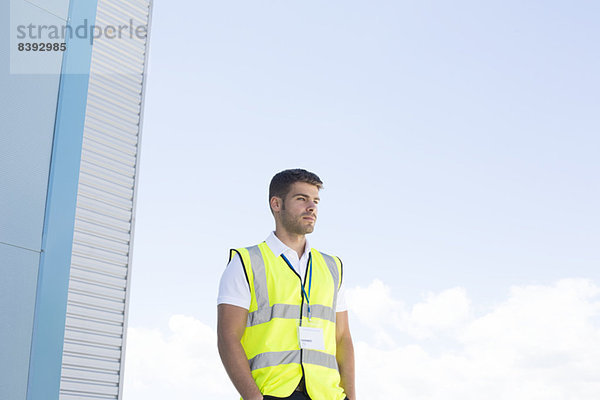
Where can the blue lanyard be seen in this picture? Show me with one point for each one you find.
(307, 296)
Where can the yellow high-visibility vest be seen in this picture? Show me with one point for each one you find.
(276, 310)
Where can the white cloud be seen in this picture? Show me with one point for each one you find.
(181, 365)
(374, 306)
(442, 311)
(542, 343)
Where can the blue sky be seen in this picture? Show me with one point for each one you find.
(458, 143)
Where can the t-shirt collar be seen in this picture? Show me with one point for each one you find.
(278, 247)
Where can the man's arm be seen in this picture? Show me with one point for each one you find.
(345, 354)
(231, 322)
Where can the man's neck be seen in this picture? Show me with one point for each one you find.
(293, 241)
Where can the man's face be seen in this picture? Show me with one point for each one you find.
(298, 213)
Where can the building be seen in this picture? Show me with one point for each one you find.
(70, 121)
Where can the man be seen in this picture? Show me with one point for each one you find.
(282, 320)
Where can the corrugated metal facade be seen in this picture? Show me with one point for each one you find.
(94, 344)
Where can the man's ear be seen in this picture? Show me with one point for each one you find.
(276, 203)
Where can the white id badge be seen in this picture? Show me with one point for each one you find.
(311, 338)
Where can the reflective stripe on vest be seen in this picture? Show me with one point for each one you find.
(274, 358)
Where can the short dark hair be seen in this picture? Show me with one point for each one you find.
(281, 182)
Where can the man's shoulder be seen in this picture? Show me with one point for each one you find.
(237, 249)
(244, 253)
(327, 255)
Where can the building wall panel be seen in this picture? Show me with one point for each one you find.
(100, 268)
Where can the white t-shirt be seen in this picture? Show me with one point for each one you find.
(234, 288)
